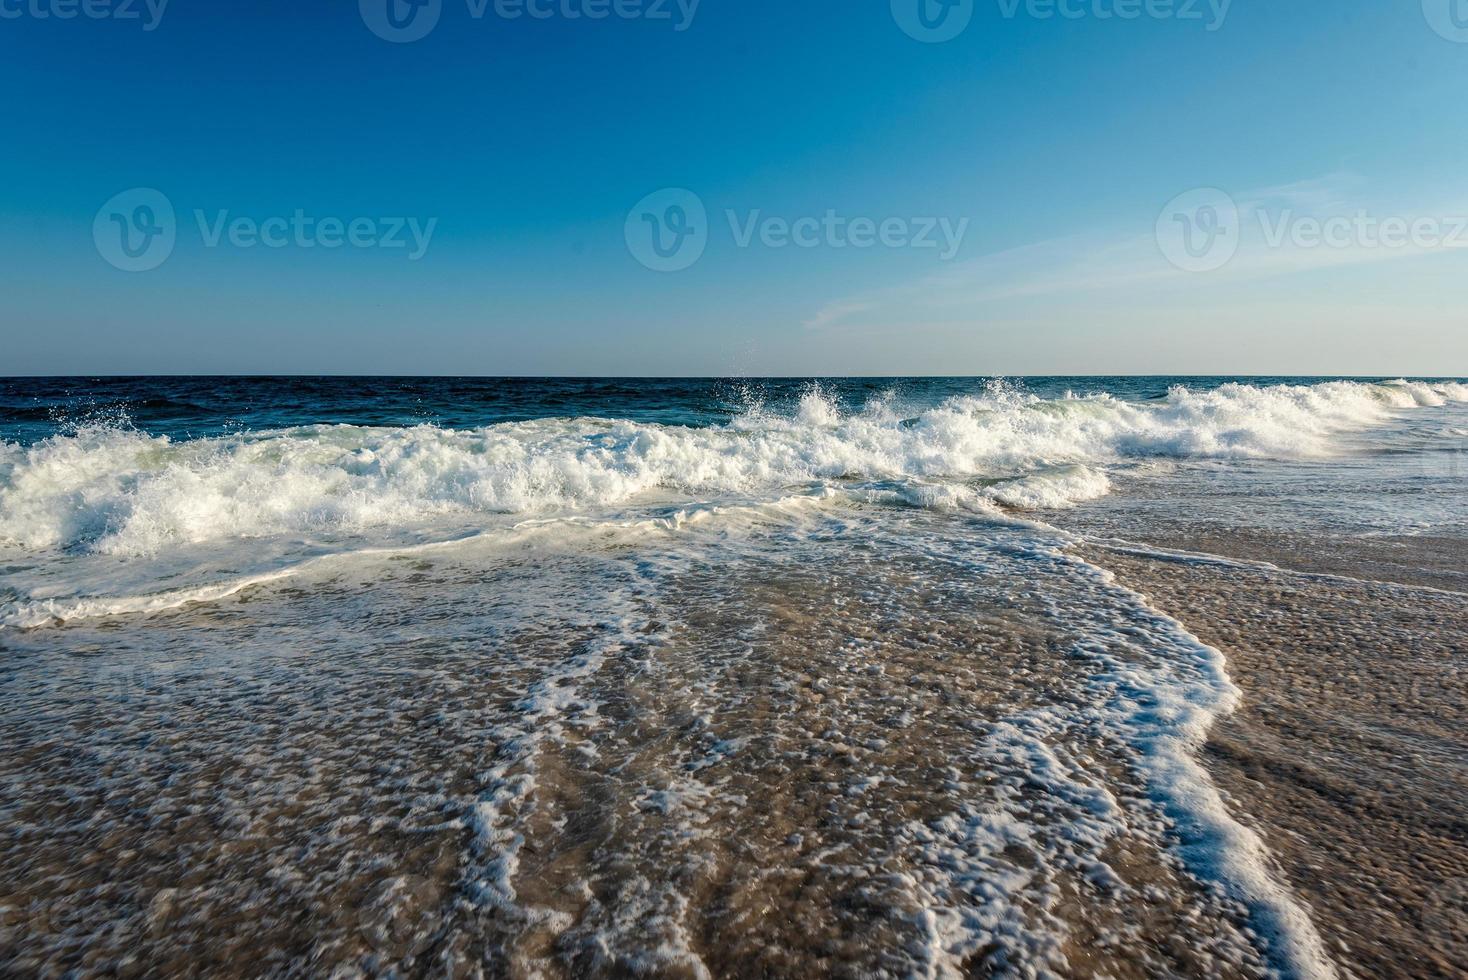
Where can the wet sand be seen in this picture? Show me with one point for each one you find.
(1350, 754)
(882, 760)
(886, 745)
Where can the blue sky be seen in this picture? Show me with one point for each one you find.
(1057, 144)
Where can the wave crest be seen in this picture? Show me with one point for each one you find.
(121, 492)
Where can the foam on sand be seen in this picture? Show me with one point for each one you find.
(1168, 716)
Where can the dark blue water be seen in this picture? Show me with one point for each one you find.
(32, 409)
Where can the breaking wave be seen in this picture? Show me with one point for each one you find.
(118, 491)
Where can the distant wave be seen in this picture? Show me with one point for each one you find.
(116, 491)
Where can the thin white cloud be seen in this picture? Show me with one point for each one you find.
(834, 313)
(1075, 265)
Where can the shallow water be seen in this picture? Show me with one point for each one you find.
(811, 683)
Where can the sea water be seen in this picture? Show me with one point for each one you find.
(675, 677)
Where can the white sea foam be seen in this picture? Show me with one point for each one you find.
(638, 706)
(76, 597)
(1159, 689)
(120, 492)
(1166, 710)
(27, 614)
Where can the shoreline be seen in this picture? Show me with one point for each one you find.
(1347, 754)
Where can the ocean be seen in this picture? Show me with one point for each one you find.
(392, 676)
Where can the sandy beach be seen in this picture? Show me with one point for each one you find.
(983, 683)
(664, 490)
(1349, 755)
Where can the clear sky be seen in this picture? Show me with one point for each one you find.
(856, 195)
